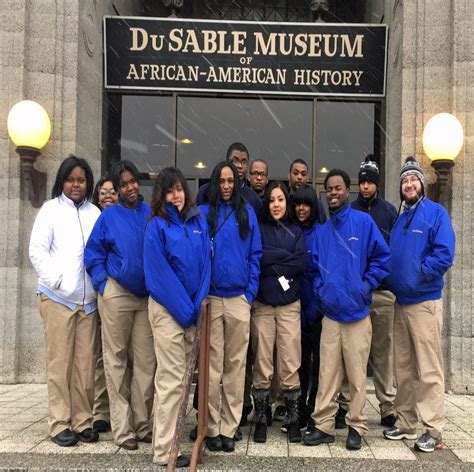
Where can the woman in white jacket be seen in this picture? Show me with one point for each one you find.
(67, 301)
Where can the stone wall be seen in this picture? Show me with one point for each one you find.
(51, 52)
(430, 71)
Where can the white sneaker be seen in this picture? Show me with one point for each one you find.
(427, 443)
(396, 434)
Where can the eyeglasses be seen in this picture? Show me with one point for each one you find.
(255, 173)
(239, 162)
(103, 192)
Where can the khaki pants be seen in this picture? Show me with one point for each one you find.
(172, 345)
(278, 326)
(230, 329)
(381, 349)
(127, 337)
(70, 337)
(344, 349)
(101, 398)
(419, 366)
(381, 353)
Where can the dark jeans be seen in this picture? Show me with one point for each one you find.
(309, 370)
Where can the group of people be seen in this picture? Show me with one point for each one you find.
(295, 301)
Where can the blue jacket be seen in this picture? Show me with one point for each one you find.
(384, 215)
(351, 258)
(177, 259)
(309, 309)
(248, 193)
(283, 253)
(422, 243)
(115, 248)
(235, 262)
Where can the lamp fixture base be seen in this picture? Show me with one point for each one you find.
(36, 180)
(442, 168)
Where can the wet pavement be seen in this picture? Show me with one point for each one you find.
(25, 445)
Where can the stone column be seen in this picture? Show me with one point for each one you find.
(430, 71)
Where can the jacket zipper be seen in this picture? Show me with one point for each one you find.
(83, 265)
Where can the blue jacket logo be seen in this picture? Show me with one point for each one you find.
(419, 231)
(353, 238)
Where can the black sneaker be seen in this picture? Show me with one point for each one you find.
(280, 413)
(341, 418)
(388, 421)
(66, 438)
(88, 435)
(214, 444)
(353, 442)
(101, 426)
(181, 461)
(228, 444)
(314, 436)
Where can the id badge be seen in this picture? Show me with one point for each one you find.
(284, 283)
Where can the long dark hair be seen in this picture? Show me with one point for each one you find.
(305, 195)
(167, 179)
(265, 215)
(98, 185)
(120, 167)
(66, 168)
(237, 200)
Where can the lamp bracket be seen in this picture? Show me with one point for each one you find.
(36, 180)
(442, 168)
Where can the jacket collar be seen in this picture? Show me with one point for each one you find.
(407, 208)
(176, 217)
(67, 201)
(340, 215)
(366, 202)
(139, 203)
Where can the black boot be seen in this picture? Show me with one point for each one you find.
(246, 410)
(292, 415)
(260, 400)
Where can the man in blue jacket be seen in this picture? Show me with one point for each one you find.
(351, 259)
(383, 301)
(422, 243)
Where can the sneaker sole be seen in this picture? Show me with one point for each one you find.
(401, 436)
(421, 449)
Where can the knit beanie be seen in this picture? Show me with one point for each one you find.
(411, 167)
(369, 171)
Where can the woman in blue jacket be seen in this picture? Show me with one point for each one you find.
(305, 212)
(114, 260)
(276, 312)
(177, 272)
(236, 253)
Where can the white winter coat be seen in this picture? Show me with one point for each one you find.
(58, 238)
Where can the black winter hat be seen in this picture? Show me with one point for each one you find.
(369, 171)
